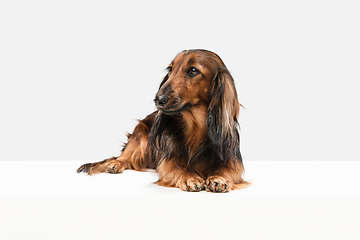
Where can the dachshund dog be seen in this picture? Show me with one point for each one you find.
(192, 140)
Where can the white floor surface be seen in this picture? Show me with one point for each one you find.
(288, 200)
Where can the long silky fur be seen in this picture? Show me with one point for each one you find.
(222, 119)
(166, 138)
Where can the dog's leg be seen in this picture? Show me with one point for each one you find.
(106, 165)
(134, 156)
(170, 175)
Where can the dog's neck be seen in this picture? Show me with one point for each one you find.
(195, 121)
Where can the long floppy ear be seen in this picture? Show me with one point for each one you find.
(222, 119)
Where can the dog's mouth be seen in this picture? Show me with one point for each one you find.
(170, 105)
(174, 110)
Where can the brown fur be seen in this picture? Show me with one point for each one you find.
(192, 140)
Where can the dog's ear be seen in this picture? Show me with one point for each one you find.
(223, 117)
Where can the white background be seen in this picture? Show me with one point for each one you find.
(75, 75)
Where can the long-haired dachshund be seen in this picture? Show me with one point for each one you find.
(192, 140)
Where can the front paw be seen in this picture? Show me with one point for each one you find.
(218, 184)
(191, 184)
(110, 165)
(115, 166)
(86, 168)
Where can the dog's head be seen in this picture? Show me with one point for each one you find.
(197, 77)
(187, 82)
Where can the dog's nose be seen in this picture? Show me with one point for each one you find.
(161, 101)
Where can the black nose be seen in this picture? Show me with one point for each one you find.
(161, 101)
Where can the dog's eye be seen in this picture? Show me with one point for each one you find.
(193, 71)
(169, 69)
